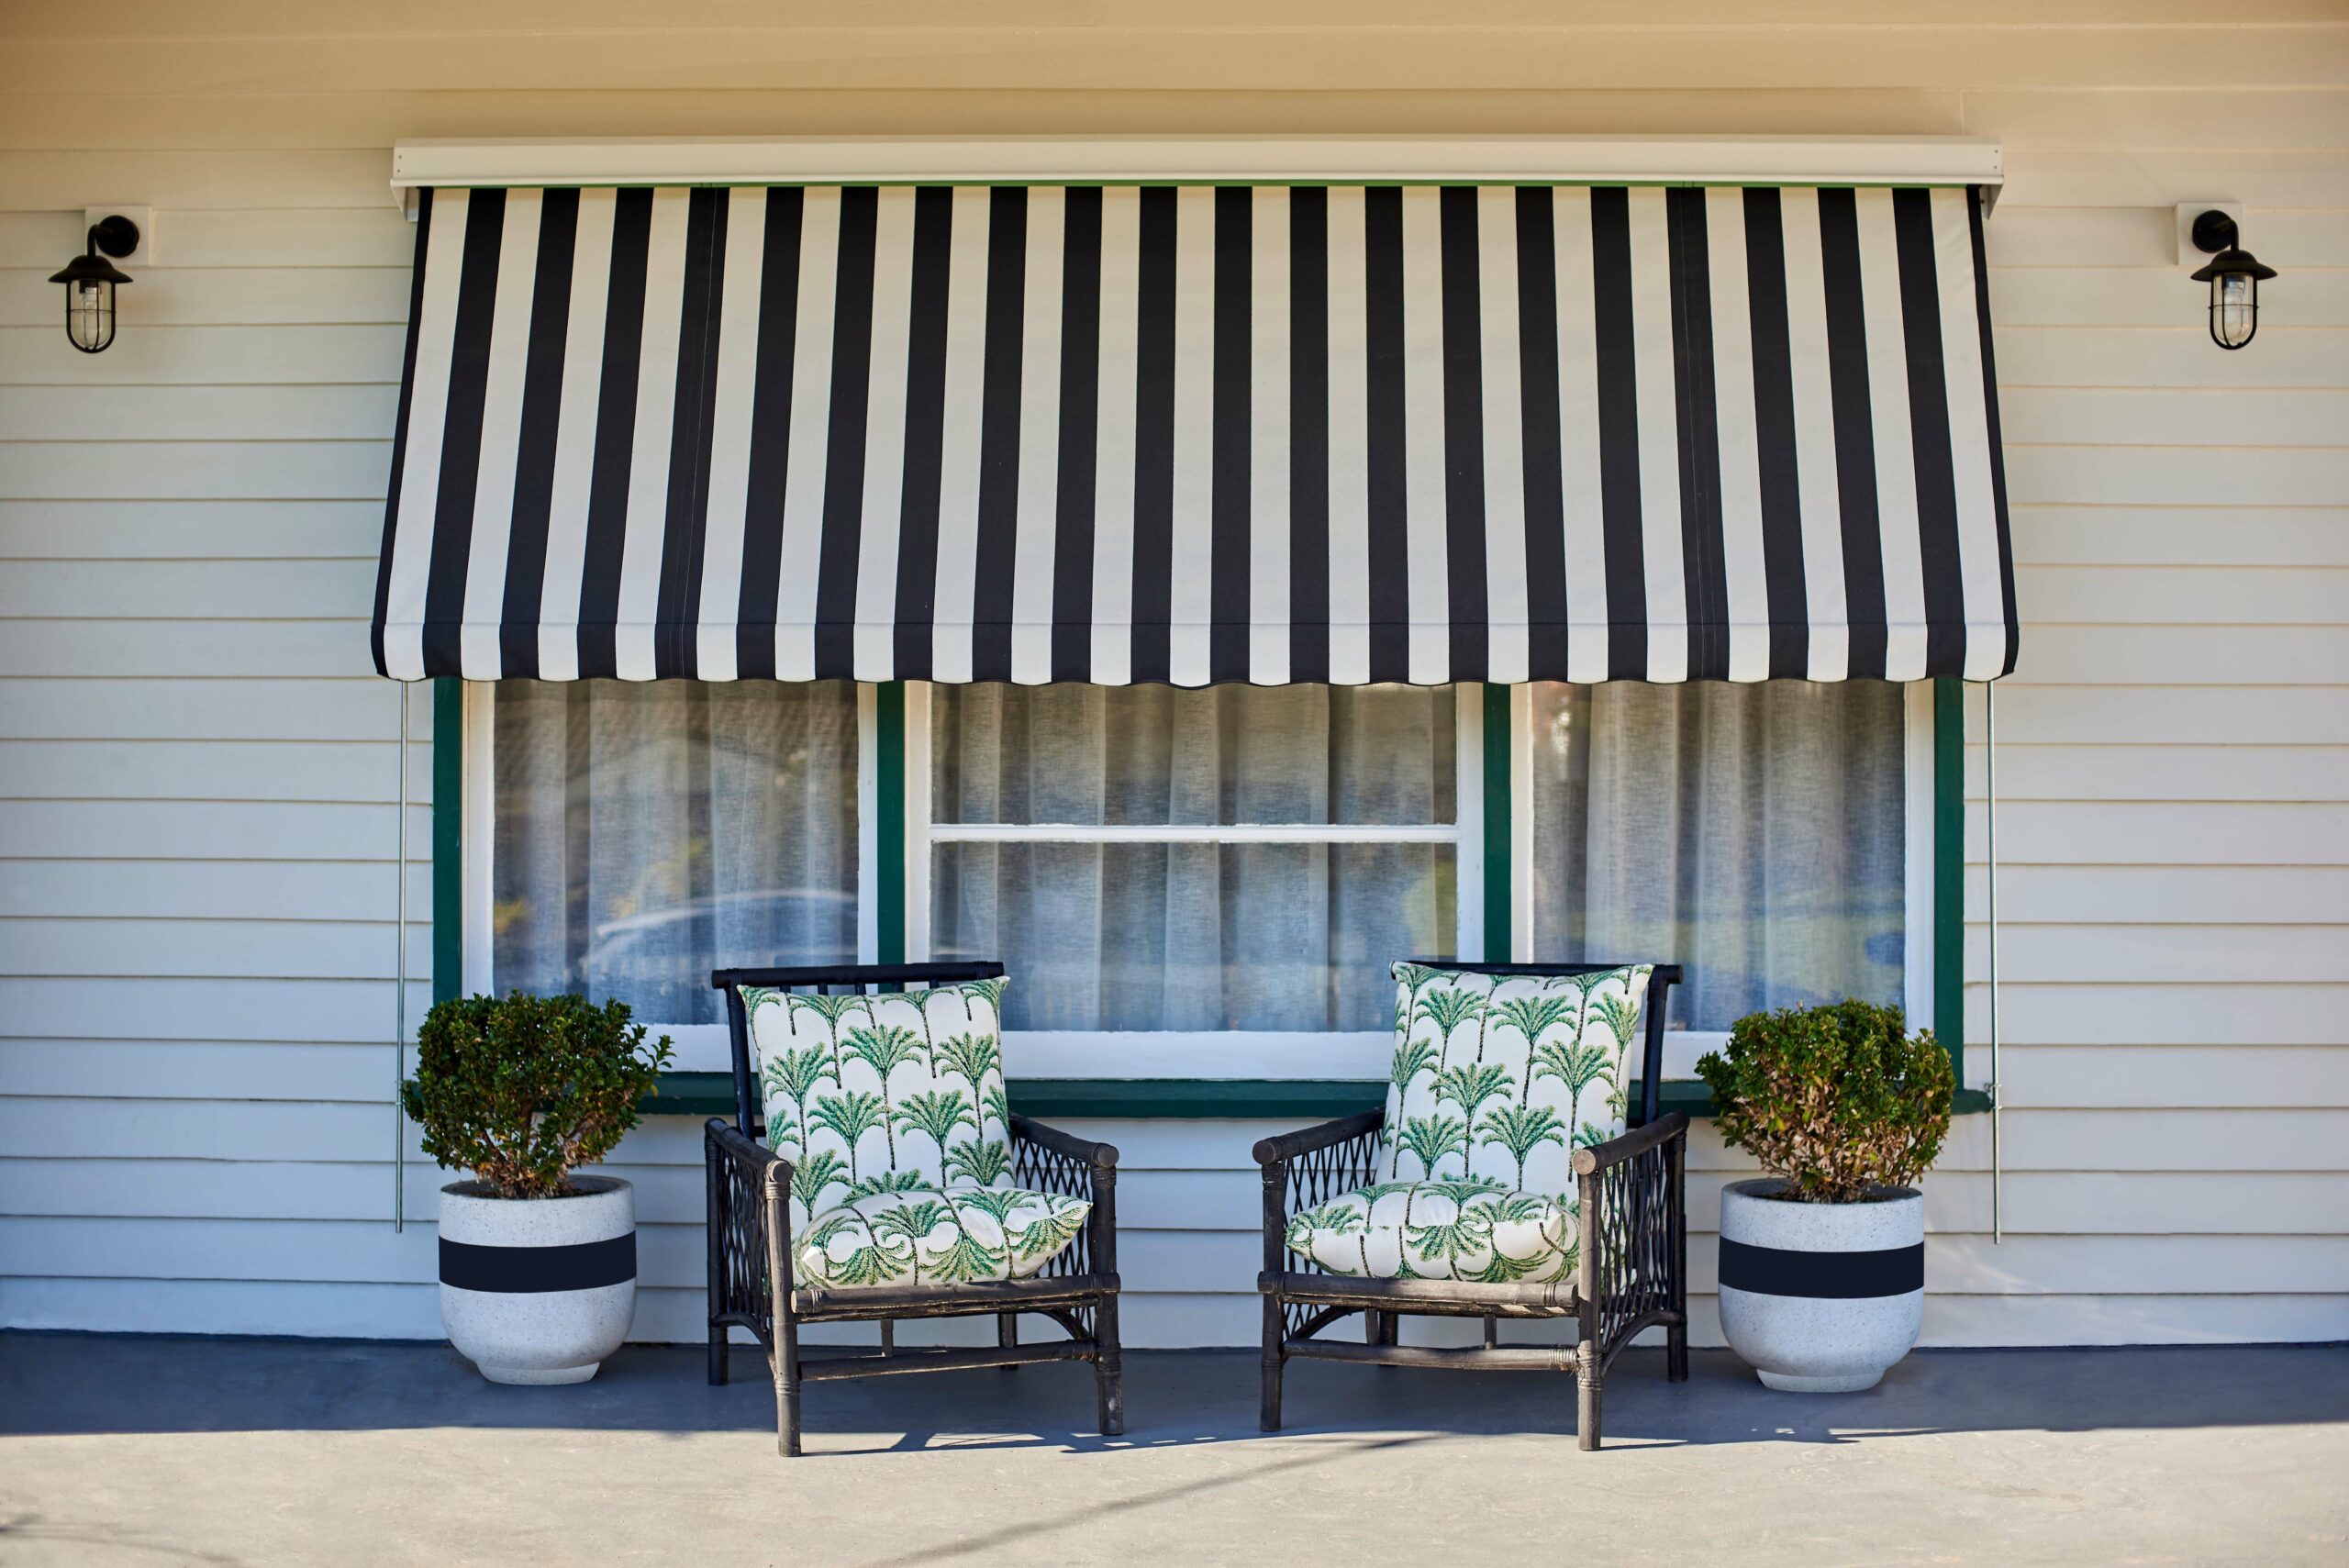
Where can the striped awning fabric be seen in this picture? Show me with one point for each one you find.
(1198, 434)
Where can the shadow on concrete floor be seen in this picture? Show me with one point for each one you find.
(60, 1384)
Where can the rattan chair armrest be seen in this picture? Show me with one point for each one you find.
(1046, 1135)
(1631, 1145)
(727, 1144)
(1304, 1140)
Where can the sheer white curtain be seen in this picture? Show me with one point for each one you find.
(1193, 936)
(1753, 833)
(647, 832)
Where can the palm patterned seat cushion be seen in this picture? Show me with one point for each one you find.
(1497, 1080)
(941, 1236)
(899, 1097)
(1466, 1230)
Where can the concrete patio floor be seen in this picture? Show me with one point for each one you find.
(158, 1451)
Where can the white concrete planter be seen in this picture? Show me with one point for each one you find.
(538, 1290)
(1821, 1297)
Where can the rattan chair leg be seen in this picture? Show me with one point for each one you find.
(1268, 1416)
(1109, 1369)
(1587, 1381)
(717, 1368)
(1007, 1333)
(1675, 1354)
(786, 1389)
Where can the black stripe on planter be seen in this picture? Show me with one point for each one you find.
(531, 1270)
(1822, 1276)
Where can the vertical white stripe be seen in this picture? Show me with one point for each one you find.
(1424, 519)
(1349, 441)
(1659, 405)
(1585, 524)
(428, 415)
(656, 420)
(1969, 437)
(1193, 597)
(1822, 512)
(1742, 563)
(873, 642)
(730, 438)
(1895, 453)
(1113, 472)
(501, 434)
(1268, 496)
(1038, 502)
(958, 500)
(574, 439)
(809, 448)
(1507, 607)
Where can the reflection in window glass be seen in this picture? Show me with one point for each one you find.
(1753, 834)
(649, 833)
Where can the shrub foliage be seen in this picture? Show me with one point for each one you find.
(521, 1089)
(1836, 1099)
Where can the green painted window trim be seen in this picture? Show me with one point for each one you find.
(889, 821)
(1500, 836)
(1948, 872)
(1196, 1099)
(448, 852)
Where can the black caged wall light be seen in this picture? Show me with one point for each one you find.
(90, 281)
(2234, 275)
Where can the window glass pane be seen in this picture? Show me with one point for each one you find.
(1194, 936)
(1753, 833)
(647, 832)
(1154, 755)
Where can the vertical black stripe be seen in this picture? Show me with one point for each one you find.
(1544, 457)
(1469, 614)
(1618, 434)
(998, 541)
(1920, 325)
(399, 430)
(1232, 438)
(1389, 497)
(674, 641)
(599, 588)
(1997, 447)
(1309, 434)
(452, 522)
(770, 455)
(1079, 434)
(925, 433)
(1847, 375)
(1703, 569)
(851, 387)
(526, 545)
(1154, 438)
(1779, 480)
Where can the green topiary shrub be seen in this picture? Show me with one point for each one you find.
(521, 1089)
(1836, 1099)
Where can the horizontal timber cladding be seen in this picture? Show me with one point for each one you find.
(1198, 434)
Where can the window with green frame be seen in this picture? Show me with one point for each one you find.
(1499, 877)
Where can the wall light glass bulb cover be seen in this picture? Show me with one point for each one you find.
(2233, 315)
(89, 315)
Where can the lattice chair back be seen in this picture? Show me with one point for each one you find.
(1501, 1072)
(872, 1080)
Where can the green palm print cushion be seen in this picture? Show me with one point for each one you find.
(941, 1236)
(1497, 1080)
(882, 1094)
(891, 1110)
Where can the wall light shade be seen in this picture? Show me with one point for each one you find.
(2234, 275)
(90, 281)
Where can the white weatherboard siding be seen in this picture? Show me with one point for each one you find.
(197, 779)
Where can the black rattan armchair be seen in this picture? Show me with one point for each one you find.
(750, 1283)
(1633, 1273)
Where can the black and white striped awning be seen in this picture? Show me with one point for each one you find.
(1198, 434)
